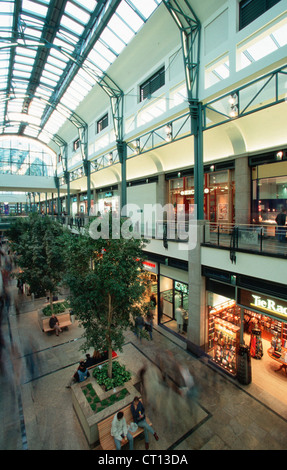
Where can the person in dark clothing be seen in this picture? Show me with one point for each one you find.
(139, 324)
(281, 228)
(80, 375)
(54, 324)
(138, 413)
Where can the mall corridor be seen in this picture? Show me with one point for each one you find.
(36, 408)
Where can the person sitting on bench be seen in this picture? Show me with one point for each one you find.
(120, 431)
(54, 324)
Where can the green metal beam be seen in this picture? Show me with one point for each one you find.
(189, 27)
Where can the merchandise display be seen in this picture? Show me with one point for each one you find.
(256, 348)
(226, 343)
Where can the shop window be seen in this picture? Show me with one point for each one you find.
(151, 85)
(269, 195)
(102, 123)
(249, 10)
(219, 189)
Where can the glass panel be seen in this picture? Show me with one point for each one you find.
(130, 16)
(77, 13)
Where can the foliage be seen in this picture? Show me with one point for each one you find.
(59, 307)
(37, 240)
(107, 284)
(119, 377)
(96, 404)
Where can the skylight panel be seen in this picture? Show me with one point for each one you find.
(20, 74)
(25, 51)
(34, 7)
(88, 4)
(63, 44)
(105, 52)
(72, 25)
(121, 29)
(6, 21)
(77, 12)
(33, 32)
(44, 92)
(53, 70)
(50, 75)
(24, 118)
(98, 60)
(130, 16)
(56, 63)
(24, 67)
(47, 81)
(26, 61)
(112, 41)
(7, 7)
(146, 8)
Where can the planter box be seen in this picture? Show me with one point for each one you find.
(88, 418)
(41, 315)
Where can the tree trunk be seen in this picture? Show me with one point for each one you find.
(51, 301)
(110, 363)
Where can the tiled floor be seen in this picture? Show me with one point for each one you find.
(36, 411)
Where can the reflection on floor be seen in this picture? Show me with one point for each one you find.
(265, 376)
(172, 325)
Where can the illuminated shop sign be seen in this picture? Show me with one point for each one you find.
(263, 304)
(150, 266)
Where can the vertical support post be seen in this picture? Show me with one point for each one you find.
(122, 151)
(67, 181)
(87, 169)
(196, 124)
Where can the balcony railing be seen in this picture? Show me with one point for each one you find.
(259, 239)
(262, 239)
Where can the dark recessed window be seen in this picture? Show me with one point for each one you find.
(155, 82)
(102, 123)
(249, 10)
(76, 144)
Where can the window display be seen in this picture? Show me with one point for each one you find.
(226, 344)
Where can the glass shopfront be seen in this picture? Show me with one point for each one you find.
(218, 194)
(173, 294)
(256, 320)
(108, 200)
(269, 193)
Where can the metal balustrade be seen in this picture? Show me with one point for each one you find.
(263, 239)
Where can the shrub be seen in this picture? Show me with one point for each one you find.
(120, 376)
(57, 308)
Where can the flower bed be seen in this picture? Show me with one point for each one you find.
(120, 376)
(98, 405)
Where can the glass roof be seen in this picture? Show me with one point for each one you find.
(52, 52)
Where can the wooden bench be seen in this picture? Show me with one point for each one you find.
(64, 322)
(104, 427)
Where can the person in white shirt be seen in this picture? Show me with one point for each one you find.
(120, 431)
(179, 318)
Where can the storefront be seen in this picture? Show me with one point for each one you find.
(219, 190)
(174, 293)
(242, 316)
(151, 270)
(269, 193)
(108, 199)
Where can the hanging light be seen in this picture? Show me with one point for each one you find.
(168, 131)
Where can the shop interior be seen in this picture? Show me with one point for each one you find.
(173, 294)
(266, 338)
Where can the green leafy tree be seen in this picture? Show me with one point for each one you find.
(37, 240)
(107, 285)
